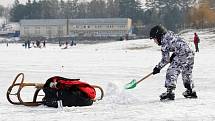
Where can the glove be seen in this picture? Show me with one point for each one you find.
(156, 70)
(172, 57)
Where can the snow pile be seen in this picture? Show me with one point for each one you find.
(118, 95)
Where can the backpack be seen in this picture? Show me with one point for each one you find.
(72, 92)
(198, 39)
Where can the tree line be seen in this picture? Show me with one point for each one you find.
(174, 14)
(1, 10)
(55, 9)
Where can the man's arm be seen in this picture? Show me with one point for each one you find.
(164, 60)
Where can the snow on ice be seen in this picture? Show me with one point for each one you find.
(111, 66)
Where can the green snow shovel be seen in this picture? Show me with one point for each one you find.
(134, 83)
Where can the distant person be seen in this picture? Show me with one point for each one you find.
(121, 39)
(181, 61)
(38, 43)
(126, 37)
(33, 44)
(29, 44)
(196, 42)
(66, 43)
(59, 43)
(44, 43)
(25, 44)
(72, 43)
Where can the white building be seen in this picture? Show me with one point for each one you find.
(43, 27)
(111, 27)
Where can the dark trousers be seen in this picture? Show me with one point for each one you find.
(197, 47)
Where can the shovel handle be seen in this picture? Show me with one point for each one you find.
(147, 76)
(144, 77)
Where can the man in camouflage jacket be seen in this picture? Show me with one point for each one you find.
(181, 61)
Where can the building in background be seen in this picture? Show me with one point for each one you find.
(52, 28)
(43, 28)
(114, 27)
(9, 30)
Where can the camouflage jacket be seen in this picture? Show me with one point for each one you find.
(173, 43)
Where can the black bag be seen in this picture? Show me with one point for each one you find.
(70, 95)
(198, 39)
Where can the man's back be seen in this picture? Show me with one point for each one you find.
(175, 44)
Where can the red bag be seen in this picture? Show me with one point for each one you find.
(61, 83)
(84, 87)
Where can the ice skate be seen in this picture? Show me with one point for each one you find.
(168, 95)
(190, 94)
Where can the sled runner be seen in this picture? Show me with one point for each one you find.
(72, 92)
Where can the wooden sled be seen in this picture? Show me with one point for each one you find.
(38, 86)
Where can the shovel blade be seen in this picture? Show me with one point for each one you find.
(131, 85)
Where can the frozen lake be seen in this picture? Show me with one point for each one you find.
(111, 66)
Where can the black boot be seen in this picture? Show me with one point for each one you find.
(168, 95)
(190, 94)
